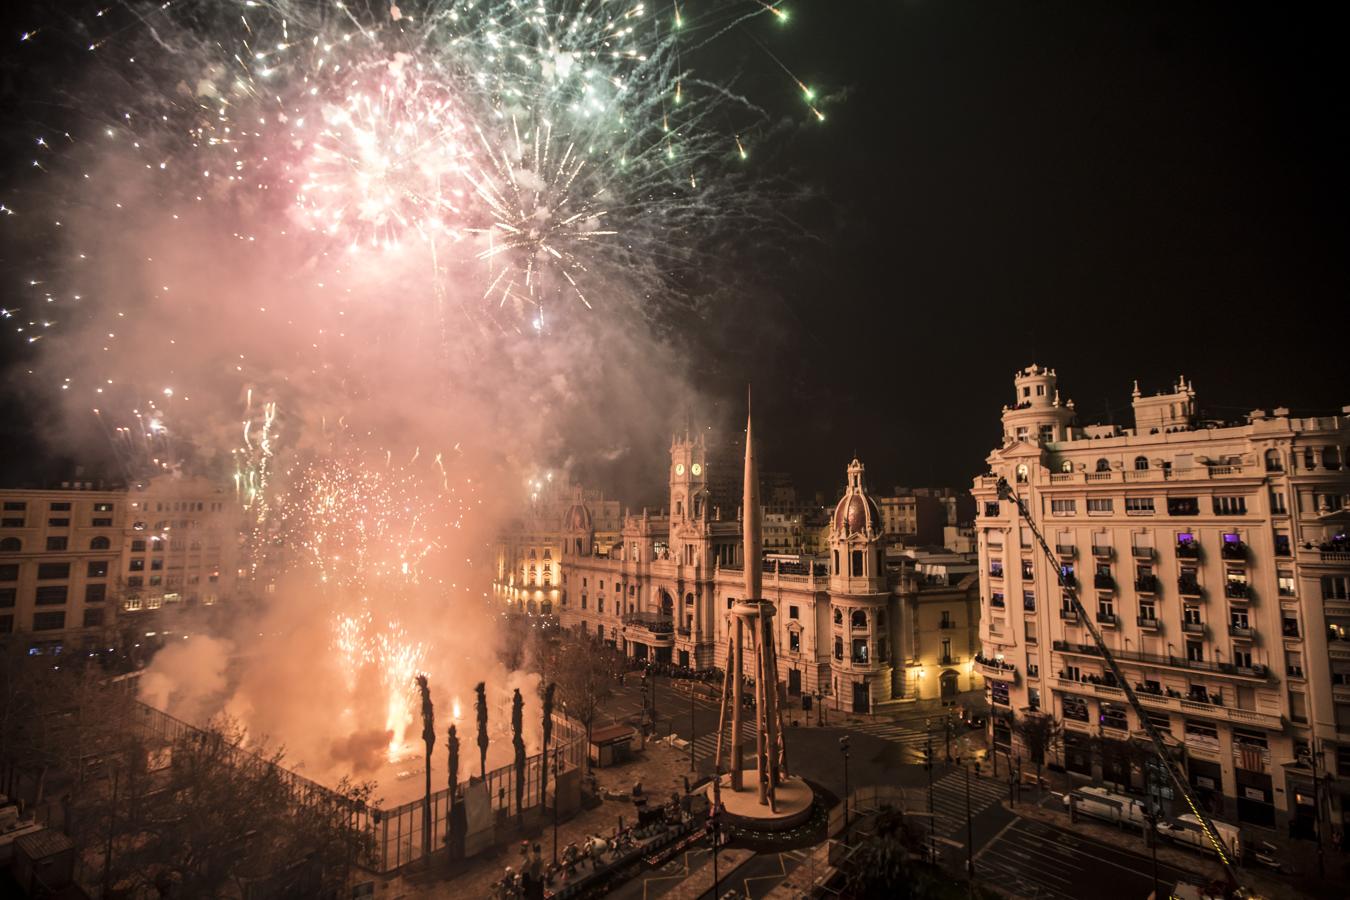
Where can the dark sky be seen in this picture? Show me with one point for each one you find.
(1119, 190)
(1123, 190)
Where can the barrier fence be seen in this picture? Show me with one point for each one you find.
(397, 832)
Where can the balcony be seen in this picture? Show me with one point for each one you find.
(1068, 550)
(1188, 587)
(1069, 580)
(997, 602)
(1148, 623)
(1196, 628)
(993, 668)
(1188, 550)
(682, 631)
(1211, 711)
(1068, 614)
(1101, 552)
(1146, 584)
(1142, 552)
(1103, 582)
(1028, 605)
(996, 572)
(1237, 590)
(659, 629)
(1233, 550)
(1108, 618)
(1258, 672)
(1245, 632)
(946, 623)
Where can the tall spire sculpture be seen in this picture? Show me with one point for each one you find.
(751, 628)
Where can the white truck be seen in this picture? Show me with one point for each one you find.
(1118, 809)
(1188, 830)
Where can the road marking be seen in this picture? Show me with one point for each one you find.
(1033, 873)
(1002, 831)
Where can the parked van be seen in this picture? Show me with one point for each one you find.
(1118, 809)
(1187, 830)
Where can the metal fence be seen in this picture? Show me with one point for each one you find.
(398, 831)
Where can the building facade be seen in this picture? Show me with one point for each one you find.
(1213, 558)
(82, 569)
(852, 627)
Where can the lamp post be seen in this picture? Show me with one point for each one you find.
(970, 832)
(693, 730)
(557, 768)
(843, 747)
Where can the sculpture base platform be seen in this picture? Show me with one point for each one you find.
(742, 808)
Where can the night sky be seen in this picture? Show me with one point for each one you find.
(1119, 191)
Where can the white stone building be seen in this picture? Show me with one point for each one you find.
(1213, 558)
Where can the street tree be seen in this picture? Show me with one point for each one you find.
(548, 737)
(1041, 735)
(586, 671)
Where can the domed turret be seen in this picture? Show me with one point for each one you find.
(857, 512)
(577, 518)
(856, 565)
(578, 528)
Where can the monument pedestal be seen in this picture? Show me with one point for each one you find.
(792, 802)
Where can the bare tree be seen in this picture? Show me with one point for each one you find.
(518, 744)
(586, 672)
(480, 706)
(1041, 735)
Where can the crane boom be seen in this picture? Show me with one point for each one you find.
(1005, 492)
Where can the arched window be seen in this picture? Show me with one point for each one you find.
(838, 616)
(1022, 473)
(10, 545)
(856, 563)
(1103, 465)
(1273, 461)
(100, 543)
(859, 619)
(1140, 463)
(1066, 466)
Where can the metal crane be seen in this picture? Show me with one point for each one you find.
(1006, 492)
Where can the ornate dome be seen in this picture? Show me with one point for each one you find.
(857, 512)
(577, 518)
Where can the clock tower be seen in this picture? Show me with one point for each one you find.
(688, 478)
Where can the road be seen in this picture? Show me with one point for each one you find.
(1036, 860)
(1027, 857)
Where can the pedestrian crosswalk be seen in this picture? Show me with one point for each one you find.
(705, 745)
(949, 801)
(912, 739)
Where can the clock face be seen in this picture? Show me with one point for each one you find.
(679, 468)
(697, 469)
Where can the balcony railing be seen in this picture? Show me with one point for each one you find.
(1066, 549)
(1069, 580)
(682, 631)
(1100, 551)
(946, 624)
(1142, 552)
(653, 622)
(1146, 584)
(1149, 622)
(1107, 618)
(993, 668)
(1068, 614)
(1103, 582)
(997, 602)
(1188, 550)
(1174, 662)
(1028, 605)
(1242, 631)
(1233, 550)
(1188, 587)
(1193, 627)
(1238, 590)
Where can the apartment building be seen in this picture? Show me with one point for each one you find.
(1213, 558)
(60, 553)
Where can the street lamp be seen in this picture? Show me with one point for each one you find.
(843, 747)
(693, 730)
